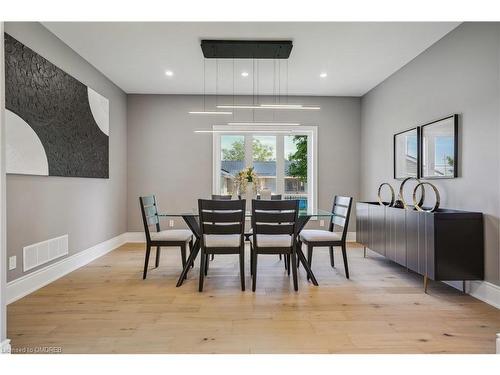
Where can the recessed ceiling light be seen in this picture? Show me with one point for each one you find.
(323, 75)
(169, 73)
(244, 74)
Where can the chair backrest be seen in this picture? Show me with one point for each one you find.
(221, 197)
(274, 197)
(149, 211)
(341, 211)
(274, 217)
(222, 217)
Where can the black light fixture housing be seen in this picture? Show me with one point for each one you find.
(246, 49)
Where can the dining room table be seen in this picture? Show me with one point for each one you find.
(191, 218)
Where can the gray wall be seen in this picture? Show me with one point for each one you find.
(166, 158)
(90, 211)
(458, 74)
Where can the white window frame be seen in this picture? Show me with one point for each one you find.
(312, 148)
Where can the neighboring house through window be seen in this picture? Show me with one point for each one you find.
(284, 158)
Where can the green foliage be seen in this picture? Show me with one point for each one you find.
(450, 161)
(298, 165)
(261, 152)
(236, 152)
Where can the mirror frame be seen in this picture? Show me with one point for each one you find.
(417, 128)
(455, 151)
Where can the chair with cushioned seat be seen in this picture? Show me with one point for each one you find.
(222, 226)
(274, 232)
(161, 238)
(221, 197)
(312, 237)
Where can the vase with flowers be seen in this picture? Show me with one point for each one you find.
(248, 184)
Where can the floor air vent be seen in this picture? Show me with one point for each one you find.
(43, 252)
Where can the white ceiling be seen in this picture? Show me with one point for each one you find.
(356, 55)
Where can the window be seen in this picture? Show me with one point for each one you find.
(264, 160)
(232, 156)
(283, 158)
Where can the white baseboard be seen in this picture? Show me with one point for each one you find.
(5, 347)
(27, 284)
(135, 237)
(351, 237)
(482, 290)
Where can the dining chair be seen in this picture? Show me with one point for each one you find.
(274, 197)
(161, 238)
(222, 226)
(274, 232)
(221, 197)
(341, 211)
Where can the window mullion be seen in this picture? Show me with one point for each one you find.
(248, 150)
(280, 164)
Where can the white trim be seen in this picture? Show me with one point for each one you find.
(351, 237)
(5, 347)
(310, 131)
(482, 290)
(135, 237)
(27, 284)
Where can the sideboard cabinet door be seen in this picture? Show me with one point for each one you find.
(377, 230)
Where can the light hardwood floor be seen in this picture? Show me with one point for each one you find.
(106, 307)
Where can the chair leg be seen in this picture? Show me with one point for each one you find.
(254, 274)
(242, 269)
(332, 259)
(279, 256)
(294, 272)
(206, 264)
(251, 259)
(190, 250)
(287, 257)
(286, 263)
(157, 262)
(203, 259)
(183, 255)
(299, 244)
(309, 257)
(146, 262)
(213, 256)
(344, 255)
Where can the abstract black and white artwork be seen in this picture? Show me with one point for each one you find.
(54, 124)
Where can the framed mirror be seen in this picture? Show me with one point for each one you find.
(406, 155)
(439, 148)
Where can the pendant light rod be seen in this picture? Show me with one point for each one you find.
(205, 112)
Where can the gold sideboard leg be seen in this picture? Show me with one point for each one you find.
(426, 282)
(364, 251)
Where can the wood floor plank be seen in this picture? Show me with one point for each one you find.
(106, 307)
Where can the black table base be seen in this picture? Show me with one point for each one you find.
(194, 226)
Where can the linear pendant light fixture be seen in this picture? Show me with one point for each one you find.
(265, 123)
(251, 49)
(210, 113)
(269, 106)
(278, 131)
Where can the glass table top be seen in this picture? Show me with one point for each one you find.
(194, 212)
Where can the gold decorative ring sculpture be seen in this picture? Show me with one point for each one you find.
(393, 196)
(418, 205)
(401, 188)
